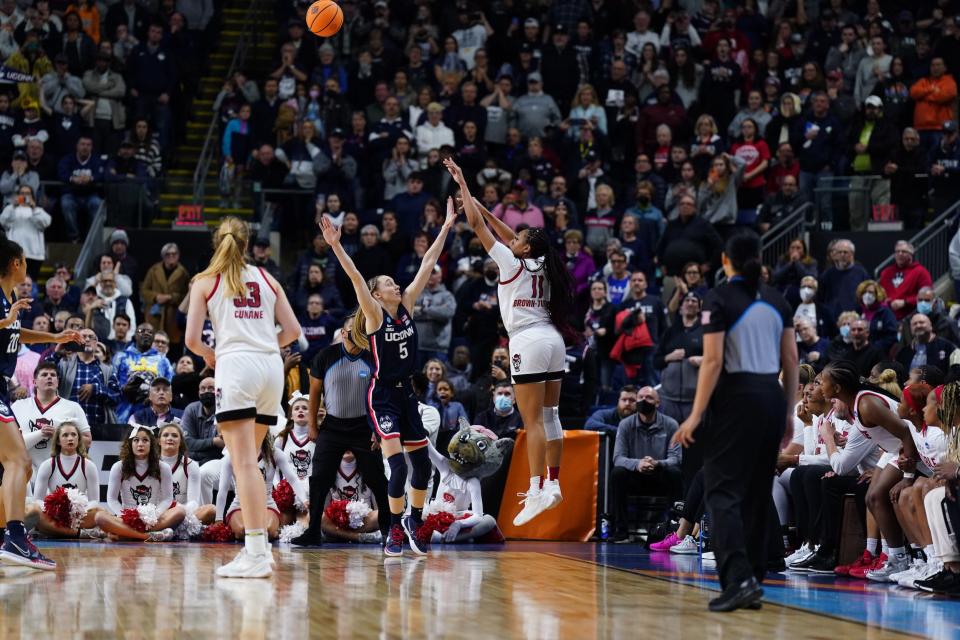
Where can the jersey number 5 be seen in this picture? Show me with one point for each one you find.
(537, 282)
(252, 299)
(403, 350)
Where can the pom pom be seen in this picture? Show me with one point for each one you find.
(439, 522)
(190, 528)
(79, 506)
(357, 512)
(284, 496)
(217, 532)
(290, 532)
(57, 507)
(131, 518)
(337, 513)
(149, 514)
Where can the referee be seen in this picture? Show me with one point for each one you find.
(340, 375)
(748, 340)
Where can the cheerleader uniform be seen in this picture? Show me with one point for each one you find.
(187, 480)
(32, 416)
(69, 472)
(140, 488)
(349, 485)
(298, 448)
(269, 472)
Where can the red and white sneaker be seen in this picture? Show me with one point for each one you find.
(861, 572)
(864, 561)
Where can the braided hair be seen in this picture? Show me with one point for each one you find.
(949, 414)
(560, 305)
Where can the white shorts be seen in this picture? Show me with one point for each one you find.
(537, 354)
(249, 385)
(235, 508)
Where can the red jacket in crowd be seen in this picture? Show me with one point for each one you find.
(903, 283)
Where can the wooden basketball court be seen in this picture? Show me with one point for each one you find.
(520, 590)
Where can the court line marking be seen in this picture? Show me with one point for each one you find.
(666, 578)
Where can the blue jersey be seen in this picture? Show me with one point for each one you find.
(9, 338)
(394, 347)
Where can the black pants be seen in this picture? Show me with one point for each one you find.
(807, 498)
(331, 445)
(693, 500)
(831, 516)
(741, 438)
(627, 482)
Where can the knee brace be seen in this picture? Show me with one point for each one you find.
(551, 423)
(422, 469)
(396, 486)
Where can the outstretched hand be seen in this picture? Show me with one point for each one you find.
(451, 214)
(331, 233)
(455, 171)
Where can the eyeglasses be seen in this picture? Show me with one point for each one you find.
(618, 261)
(143, 332)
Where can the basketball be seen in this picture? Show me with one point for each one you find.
(324, 18)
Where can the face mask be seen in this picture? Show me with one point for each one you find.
(502, 403)
(314, 94)
(207, 399)
(643, 201)
(922, 337)
(845, 332)
(869, 299)
(646, 407)
(489, 173)
(806, 293)
(924, 307)
(490, 275)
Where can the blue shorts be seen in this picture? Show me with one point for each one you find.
(393, 412)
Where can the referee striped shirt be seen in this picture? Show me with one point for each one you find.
(346, 379)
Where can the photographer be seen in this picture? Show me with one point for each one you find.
(133, 371)
(24, 223)
(18, 175)
(108, 303)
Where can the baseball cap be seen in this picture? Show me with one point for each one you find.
(950, 126)
(526, 47)
(560, 28)
(692, 294)
(336, 132)
(160, 381)
(119, 235)
(531, 22)
(535, 77)
(873, 101)
(796, 38)
(263, 243)
(774, 80)
(19, 154)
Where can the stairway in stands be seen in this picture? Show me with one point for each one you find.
(178, 187)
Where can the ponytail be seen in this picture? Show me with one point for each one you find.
(230, 247)
(560, 305)
(743, 252)
(358, 333)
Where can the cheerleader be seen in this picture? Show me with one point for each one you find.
(295, 443)
(69, 468)
(536, 301)
(140, 478)
(349, 485)
(185, 473)
(270, 460)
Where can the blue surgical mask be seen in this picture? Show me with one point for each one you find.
(845, 331)
(924, 307)
(502, 403)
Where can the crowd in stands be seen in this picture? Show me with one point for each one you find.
(639, 136)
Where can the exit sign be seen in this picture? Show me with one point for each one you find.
(189, 216)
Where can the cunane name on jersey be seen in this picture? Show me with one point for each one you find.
(248, 314)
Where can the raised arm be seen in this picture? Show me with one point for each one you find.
(372, 310)
(413, 291)
(474, 217)
(499, 226)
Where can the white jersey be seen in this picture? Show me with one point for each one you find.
(880, 436)
(33, 416)
(299, 449)
(69, 472)
(523, 292)
(186, 479)
(139, 489)
(931, 443)
(245, 324)
(349, 485)
(269, 472)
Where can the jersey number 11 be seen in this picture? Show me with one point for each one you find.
(537, 282)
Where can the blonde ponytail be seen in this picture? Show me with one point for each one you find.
(358, 333)
(230, 247)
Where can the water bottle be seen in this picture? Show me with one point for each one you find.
(704, 542)
(604, 528)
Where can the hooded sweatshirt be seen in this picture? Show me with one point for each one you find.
(904, 284)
